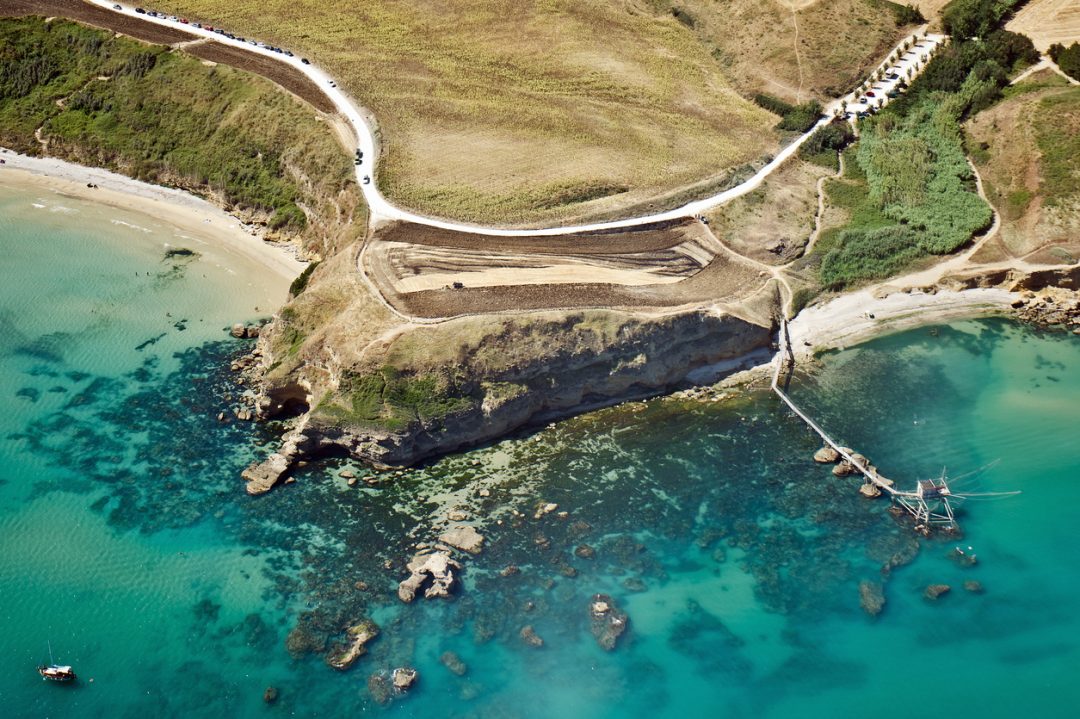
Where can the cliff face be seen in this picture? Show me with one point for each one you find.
(472, 403)
(393, 394)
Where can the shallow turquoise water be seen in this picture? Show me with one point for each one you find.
(126, 540)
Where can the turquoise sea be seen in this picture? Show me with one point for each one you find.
(127, 541)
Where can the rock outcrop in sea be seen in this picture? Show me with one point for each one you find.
(431, 573)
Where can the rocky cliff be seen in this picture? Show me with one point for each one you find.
(393, 393)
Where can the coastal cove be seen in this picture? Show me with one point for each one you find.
(126, 539)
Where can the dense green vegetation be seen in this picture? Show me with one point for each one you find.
(797, 118)
(1067, 58)
(392, 400)
(823, 146)
(966, 19)
(917, 194)
(162, 117)
(907, 14)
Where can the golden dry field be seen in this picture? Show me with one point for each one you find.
(519, 111)
(1048, 21)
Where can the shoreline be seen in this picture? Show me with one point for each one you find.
(182, 210)
(858, 317)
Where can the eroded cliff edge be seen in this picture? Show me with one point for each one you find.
(393, 392)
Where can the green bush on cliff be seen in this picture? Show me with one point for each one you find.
(390, 399)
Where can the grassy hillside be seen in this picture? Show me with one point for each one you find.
(518, 111)
(85, 95)
(1027, 149)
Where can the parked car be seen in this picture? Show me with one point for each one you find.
(140, 11)
(870, 93)
(305, 61)
(117, 7)
(367, 179)
(183, 21)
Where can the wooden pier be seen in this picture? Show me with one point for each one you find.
(928, 504)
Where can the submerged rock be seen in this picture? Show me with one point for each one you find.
(343, 656)
(608, 621)
(463, 537)
(530, 637)
(432, 572)
(826, 455)
(453, 662)
(871, 597)
(973, 586)
(380, 689)
(585, 551)
(934, 591)
(270, 695)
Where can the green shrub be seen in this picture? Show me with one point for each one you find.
(1067, 58)
(301, 282)
(289, 216)
(906, 14)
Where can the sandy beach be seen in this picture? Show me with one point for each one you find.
(853, 318)
(185, 212)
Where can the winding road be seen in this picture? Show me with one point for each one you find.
(382, 210)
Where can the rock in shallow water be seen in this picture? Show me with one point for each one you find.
(530, 637)
(608, 621)
(343, 656)
(826, 455)
(936, 590)
(404, 678)
(270, 695)
(463, 537)
(453, 662)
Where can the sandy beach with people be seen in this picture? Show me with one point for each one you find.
(185, 212)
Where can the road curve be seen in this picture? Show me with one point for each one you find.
(382, 210)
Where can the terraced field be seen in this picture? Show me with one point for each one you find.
(429, 272)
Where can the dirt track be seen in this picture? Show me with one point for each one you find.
(96, 16)
(287, 77)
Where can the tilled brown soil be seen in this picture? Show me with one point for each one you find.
(646, 238)
(278, 72)
(727, 279)
(82, 12)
